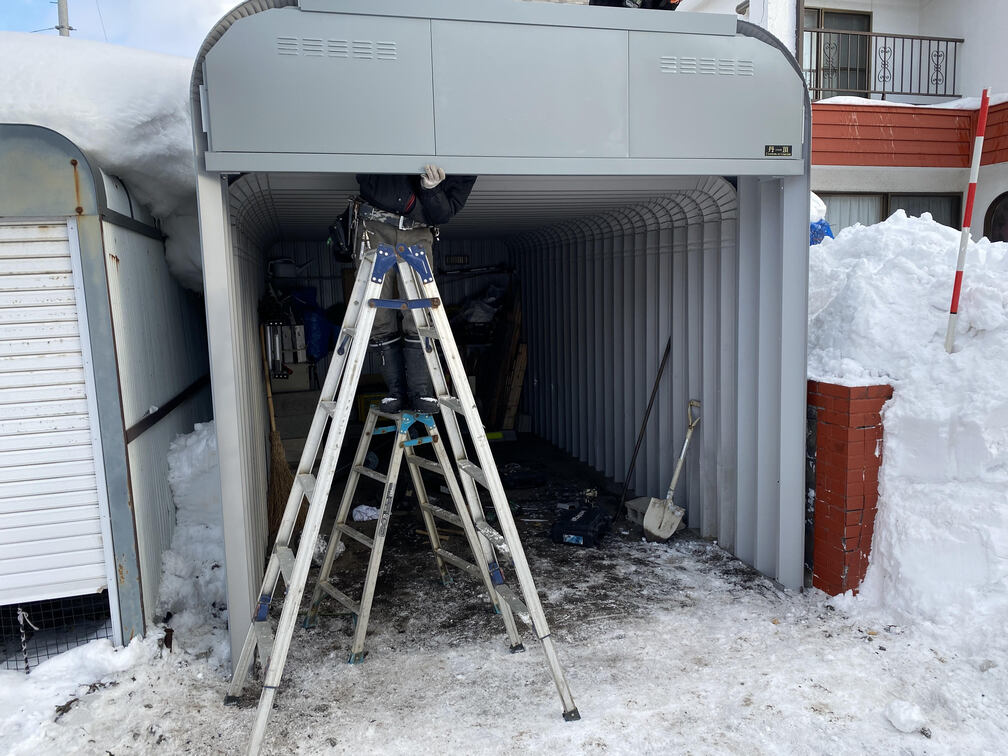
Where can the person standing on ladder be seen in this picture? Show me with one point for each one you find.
(404, 210)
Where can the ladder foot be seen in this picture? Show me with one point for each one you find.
(572, 715)
(447, 579)
(357, 658)
(230, 700)
(310, 621)
(519, 648)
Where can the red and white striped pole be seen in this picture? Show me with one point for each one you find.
(967, 217)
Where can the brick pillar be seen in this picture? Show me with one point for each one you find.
(848, 458)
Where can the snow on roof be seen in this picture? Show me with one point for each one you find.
(878, 309)
(127, 109)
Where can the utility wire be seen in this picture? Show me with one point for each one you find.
(102, 20)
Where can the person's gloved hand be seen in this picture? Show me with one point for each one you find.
(431, 177)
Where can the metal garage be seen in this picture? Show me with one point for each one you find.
(646, 172)
(103, 361)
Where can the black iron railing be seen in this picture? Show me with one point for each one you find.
(865, 64)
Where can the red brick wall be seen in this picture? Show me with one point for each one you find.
(848, 458)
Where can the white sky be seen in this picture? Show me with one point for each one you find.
(176, 27)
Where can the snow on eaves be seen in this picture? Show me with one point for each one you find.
(127, 109)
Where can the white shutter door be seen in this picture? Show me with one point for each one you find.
(50, 521)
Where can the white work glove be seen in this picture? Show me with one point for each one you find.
(431, 177)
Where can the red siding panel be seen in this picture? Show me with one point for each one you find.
(879, 135)
(995, 149)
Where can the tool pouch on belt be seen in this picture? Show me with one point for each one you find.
(339, 237)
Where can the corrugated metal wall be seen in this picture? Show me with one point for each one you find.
(160, 336)
(602, 295)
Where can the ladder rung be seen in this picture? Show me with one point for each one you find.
(337, 594)
(328, 407)
(286, 558)
(369, 473)
(450, 402)
(473, 471)
(444, 514)
(462, 564)
(426, 464)
(356, 535)
(264, 640)
(492, 535)
(508, 597)
(307, 483)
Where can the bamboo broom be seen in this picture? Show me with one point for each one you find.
(280, 477)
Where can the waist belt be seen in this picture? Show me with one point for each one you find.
(399, 221)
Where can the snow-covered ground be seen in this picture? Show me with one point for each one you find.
(667, 649)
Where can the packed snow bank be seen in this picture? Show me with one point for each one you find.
(127, 109)
(194, 584)
(27, 702)
(817, 208)
(878, 309)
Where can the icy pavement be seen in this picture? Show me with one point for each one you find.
(667, 649)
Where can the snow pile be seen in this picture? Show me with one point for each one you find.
(27, 702)
(878, 310)
(127, 109)
(194, 584)
(817, 208)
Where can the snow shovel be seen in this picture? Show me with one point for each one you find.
(662, 517)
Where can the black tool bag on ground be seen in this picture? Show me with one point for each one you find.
(584, 526)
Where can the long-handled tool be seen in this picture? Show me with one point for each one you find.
(640, 435)
(662, 517)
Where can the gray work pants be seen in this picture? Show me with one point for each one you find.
(371, 233)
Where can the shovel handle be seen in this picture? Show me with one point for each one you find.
(693, 422)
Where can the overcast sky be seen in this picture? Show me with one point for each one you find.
(176, 27)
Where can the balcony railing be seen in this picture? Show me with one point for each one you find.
(863, 64)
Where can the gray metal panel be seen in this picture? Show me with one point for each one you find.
(160, 339)
(544, 13)
(485, 109)
(242, 162)
(712, 97)
(286, 81)
(285, 92)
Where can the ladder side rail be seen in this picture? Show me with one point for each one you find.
(313, 522)
(374, 563)
(423, 501)
(475, 546)
(422, 318)
(508, 529)
(341, 516)
(337, 366)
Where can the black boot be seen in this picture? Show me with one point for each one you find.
(418, 380)
(392, 370)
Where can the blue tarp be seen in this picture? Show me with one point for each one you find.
(819, 231)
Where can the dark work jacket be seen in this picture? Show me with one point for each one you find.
(404, 195)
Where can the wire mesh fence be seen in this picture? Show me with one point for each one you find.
(34, 631)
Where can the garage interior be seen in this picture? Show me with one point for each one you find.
(620, 227)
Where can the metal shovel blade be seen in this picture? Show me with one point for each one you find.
(662, 519)
(662, 516)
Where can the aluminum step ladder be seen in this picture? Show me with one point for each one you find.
(270, 644)
(405, 449)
